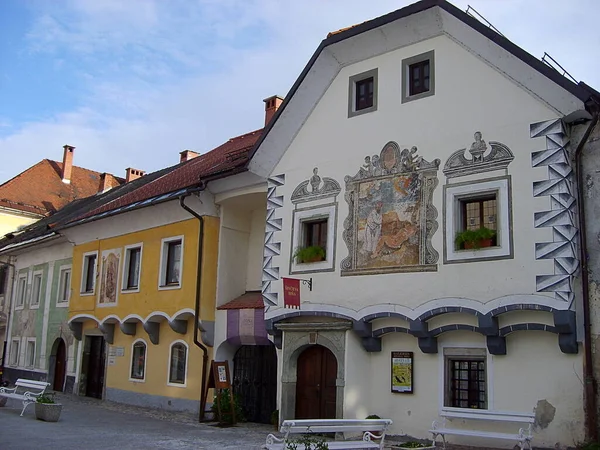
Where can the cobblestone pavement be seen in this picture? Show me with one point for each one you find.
(92, 424)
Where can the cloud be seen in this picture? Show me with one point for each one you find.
(153, 78)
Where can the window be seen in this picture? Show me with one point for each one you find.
(88, 279)
(362, 93)
(14, 353)
(30, 353)
(177, 366)
(64, 288)
(315, 233)
(36, 290)
(466, 378)
(171, 263)
(138, 361)
(131, 268)
(21, 289)
(313, 227)
(3, 277)
(418, 77)
(478, 221)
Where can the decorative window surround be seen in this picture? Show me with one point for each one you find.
(352, 93)
(406, 63)
(36, 289)
(64, 286)
(89, 258)
(21, 291)
(453, 194)
(30, 353)
(328, 212)
(187, 353)
(126, 264)
(142, 378)
(164, 253)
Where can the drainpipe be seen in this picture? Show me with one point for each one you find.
(6, 336)
(197, 303)
(591, 416)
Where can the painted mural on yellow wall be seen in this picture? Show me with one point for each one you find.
(109, 276)
(391, 216)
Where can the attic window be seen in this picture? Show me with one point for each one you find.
(362, 93)
(418, 77)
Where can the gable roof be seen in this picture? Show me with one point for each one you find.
(40, 190)
(579, 90)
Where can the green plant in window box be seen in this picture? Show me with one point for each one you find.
(313, 253)
(475, 239)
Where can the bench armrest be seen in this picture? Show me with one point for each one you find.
(32, 395)
(437, 424)
(272, 439)
(5, 390)
(368, 436)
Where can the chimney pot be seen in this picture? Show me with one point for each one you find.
(67, 167)
(133, 174)
(104, 183)
(272, 104)
(186, 155)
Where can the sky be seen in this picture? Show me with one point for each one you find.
(131, 83)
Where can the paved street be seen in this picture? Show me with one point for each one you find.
(90, 424)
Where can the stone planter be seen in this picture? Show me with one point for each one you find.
(48, 412)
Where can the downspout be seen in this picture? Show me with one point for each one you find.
(197, 302)
(591, 415)
(6, 336)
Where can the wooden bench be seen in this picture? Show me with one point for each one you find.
(523, 437)
(366, 427)
(25, 390)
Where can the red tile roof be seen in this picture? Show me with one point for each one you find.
(250, 300)
(332, 33)
(40, 188)
(233, 154)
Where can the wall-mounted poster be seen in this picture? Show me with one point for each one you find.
(402, 372)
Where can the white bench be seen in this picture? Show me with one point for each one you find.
(523, 437)
(366, 427)
(25, 390)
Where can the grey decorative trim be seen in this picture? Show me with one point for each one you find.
(128, 328)
(315, 188)
(178, 326)
(561, 217)
(392, 162)
(108, 330)
(77, 329)
(272, 247)
(153, 330)
(207, 332)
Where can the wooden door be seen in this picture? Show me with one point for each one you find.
(95, 372)
(315, 384)
(60, 366)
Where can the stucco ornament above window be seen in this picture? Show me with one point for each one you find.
(391, 217)
(315, 188)
(483, 158)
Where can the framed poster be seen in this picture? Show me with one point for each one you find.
(402, 372)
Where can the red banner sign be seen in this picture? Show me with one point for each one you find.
(291, 293)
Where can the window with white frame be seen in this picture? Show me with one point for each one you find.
(21, 290)
(466, 380)
(36, 289)
(171, 262)
(132, 268)
(64, 286)
(362, 93)
(138, 360)
(30, 353)
(313, 239)
(88, 276)
(14, 352)
(418, 77)
(178, 363)
(478, 221)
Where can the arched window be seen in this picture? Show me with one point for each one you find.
(138, 360)
(178, 363)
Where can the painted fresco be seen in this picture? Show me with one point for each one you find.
(391, 218)
(109, 276)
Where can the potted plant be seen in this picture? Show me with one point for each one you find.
(312, 253)
(275, 419)
(415, 444)
(373, 416)
(47, 409)
(475, 239)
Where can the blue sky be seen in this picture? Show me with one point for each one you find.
(133, 83)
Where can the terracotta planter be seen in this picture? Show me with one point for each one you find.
(313, 259)
(48, 412)
(481, 244)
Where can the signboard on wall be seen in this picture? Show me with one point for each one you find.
(291, 293)
(402, 372)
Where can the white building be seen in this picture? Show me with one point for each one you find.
(401, 133)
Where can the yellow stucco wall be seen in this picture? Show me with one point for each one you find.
(12, 222)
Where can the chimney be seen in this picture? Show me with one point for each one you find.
(67, 166)
(104, 183)
(133, 174)
(186, 155)
(272, 104)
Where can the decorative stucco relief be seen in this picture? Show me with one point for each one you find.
(561, 189)
(315, 188)
(272, 246)
(391, 218)
(109, 276)
(498, 158)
